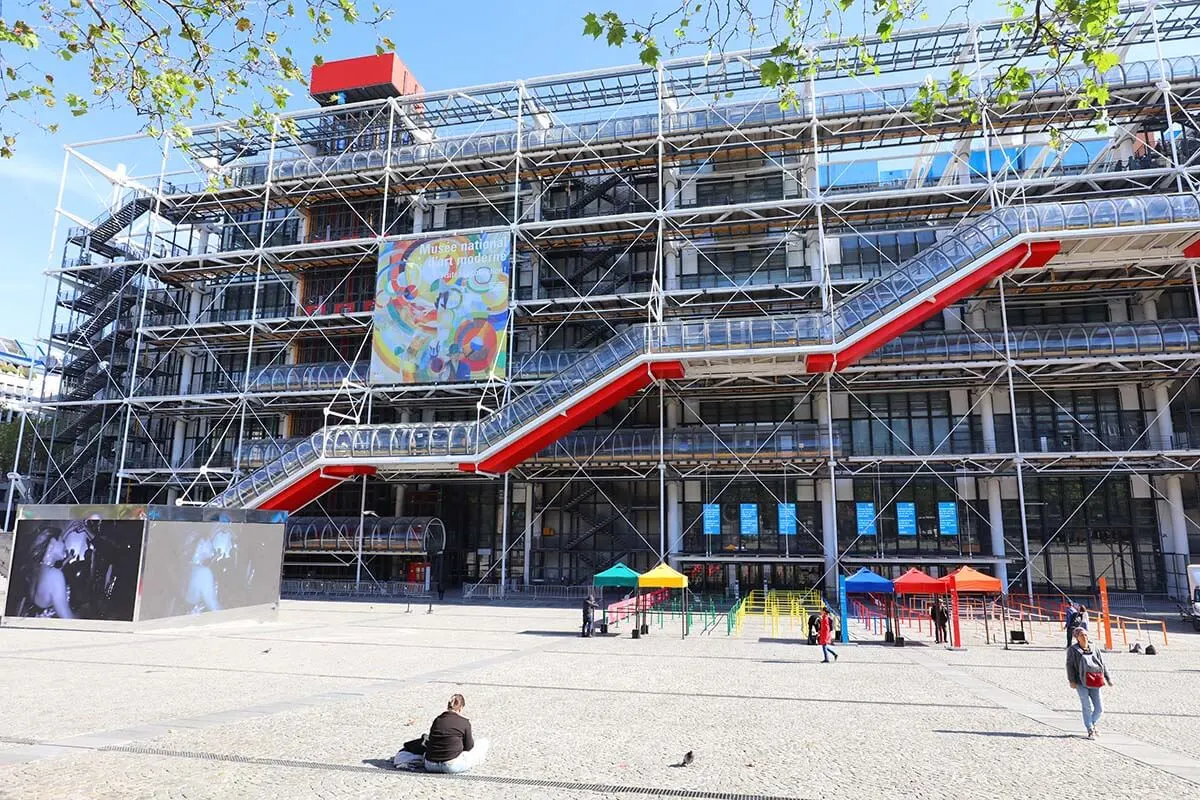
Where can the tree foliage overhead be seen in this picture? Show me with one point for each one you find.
(168, 60)
(1061, 32)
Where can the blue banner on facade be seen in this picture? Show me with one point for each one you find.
(749, 519)
(906, 519)
(948, 519)
(712, 519)
(787, 519)
(865, 517)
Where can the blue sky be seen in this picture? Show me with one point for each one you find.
(446, 44)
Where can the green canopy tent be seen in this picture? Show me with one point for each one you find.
(617, 575)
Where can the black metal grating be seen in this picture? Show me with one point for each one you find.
(601, 788)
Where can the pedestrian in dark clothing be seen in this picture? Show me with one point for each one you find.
(1071, 622)
(1087, 674)
(441, 591)
(825, 636)
(941, 620)
(589, 609)
(814, 625)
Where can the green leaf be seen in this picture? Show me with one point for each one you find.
(616, 33)
(591, 26)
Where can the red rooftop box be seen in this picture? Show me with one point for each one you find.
(363, 78)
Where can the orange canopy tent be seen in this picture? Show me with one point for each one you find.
(917, 582)
(971, 581)
(967, 580)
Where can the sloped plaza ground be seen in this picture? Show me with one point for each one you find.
(313, 705)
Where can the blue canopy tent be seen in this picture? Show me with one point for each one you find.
(867, 582)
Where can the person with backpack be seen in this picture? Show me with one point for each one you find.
(1071, 622)
(1087, 674)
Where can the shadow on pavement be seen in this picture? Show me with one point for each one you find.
(1014, 734)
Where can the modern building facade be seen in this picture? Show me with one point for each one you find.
(642, 313)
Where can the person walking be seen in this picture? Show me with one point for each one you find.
(1087, 674)
(825, 637)
(589, 614)
(1071, 622)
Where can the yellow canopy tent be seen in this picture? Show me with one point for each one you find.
(664, 577)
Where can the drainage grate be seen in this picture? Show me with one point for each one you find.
(18, 740)
(601, 788)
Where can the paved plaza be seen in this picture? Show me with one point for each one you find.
(313, 705)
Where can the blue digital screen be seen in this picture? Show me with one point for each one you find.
(948, 519)
(749, 519)
(712, 519)
(906, 519)
(787, 519)
(865, 516)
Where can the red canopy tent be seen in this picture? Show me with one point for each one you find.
(917, 582)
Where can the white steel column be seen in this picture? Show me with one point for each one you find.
(398, 491)
(187, 367)
(996, 523)
(1017, 457)
(674, 496)
(1163, 429)
(504, 540)
(828, 493)
(1179, 536)
(987, 415)
(530, 526)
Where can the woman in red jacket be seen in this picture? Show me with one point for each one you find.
(825, 636)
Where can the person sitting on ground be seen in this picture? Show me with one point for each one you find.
(450, 747)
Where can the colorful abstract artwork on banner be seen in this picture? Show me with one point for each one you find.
(441, 309)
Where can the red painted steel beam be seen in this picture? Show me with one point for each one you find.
(1032, 256)
(582, 412)
(313, 485)
(1192, 250)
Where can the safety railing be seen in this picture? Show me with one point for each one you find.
(311, 589)
(969, 244)
(1102, 339)
(1135, 629)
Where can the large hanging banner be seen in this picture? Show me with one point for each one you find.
(441, 309)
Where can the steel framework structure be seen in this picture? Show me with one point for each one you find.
(833, 306)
